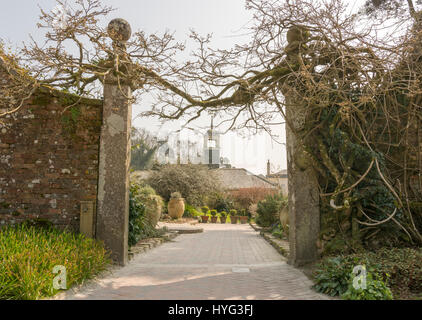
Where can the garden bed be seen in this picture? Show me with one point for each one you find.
(281, 245)
(28, 255)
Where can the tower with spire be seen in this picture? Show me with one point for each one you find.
(212, 147)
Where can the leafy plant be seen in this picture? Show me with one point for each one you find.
(268, 210)
(233, 212)
(29, 253)
(205, 209)
(191, 211)
(175, 195)
(332, 277)
(139, 226)
(196, 183)
(223, 214)
(213, 213)
(375, 289)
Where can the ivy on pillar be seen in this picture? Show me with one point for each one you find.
(304, 213)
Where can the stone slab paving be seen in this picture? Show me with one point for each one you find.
(224, 262)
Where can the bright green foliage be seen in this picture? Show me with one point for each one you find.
(375, 289)
(223, 214)
(233, 212)
(205, 209)
(213, 213)
(28, 255)
(191, 212)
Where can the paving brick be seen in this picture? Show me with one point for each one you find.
(200, 266)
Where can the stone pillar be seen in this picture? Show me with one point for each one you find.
(304, 213)
(113, 184)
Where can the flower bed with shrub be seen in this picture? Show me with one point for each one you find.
(268, 210)
(29, 253)
(139, 225)
(395, 269)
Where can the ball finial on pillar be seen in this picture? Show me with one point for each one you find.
(119, 30)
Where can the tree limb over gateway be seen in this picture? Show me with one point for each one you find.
(360, 87)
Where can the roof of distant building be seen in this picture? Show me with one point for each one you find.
(239, 178)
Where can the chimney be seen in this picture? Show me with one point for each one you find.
(268, 168)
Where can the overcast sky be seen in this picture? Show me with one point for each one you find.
(224, 18)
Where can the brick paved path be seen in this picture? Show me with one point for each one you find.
(223, 262)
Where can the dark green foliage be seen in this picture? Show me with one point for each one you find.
(401, 269)
(221, 202)
(269, 209)
(278, 232)
(136, 217)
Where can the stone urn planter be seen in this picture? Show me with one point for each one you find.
(204, 219)
(176, 206)
(233, 219)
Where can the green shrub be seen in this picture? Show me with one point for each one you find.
(221, 202)
(205, 209)
(191, 212)
(401, 267)
(196, 183)
(375, 289)
(278, 231)
(223, 214)
(233, 212)
(139, 226)
(153, 203)
(332, 276)
(136, 216)
(213, 213)
(28, 255)
(269, 209)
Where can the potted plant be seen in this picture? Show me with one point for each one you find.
(233, 216)
(223, 216)
(213, 216)
(243, 216)
(176, 205)
(204, 217)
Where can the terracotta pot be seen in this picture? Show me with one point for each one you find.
(204, 219)
(176, 208)
(223, 219)
(233, 219)
(243, 219)
(214, 219)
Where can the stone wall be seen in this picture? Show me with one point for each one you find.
(49, 153)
